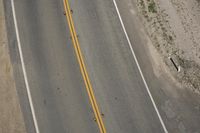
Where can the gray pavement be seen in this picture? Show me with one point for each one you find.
(118, 86)
(57, 87)
(59, 95)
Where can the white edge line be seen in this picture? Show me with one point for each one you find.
(147, 88)
(24, 69)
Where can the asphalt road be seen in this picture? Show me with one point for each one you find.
(57, 88)
(59, 95)
(117, 83)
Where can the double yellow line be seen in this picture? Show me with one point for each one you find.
(83, 68)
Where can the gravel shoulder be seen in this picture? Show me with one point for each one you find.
(174, 29)
(11, 119)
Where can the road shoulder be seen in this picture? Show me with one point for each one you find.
(11, 119)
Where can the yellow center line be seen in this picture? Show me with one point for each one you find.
(83, 68)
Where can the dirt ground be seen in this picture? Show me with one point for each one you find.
(11, 119)
(173, 27)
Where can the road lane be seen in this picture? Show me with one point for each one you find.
(59, 96)
(83, 69)
(139, 68)
(117, 83)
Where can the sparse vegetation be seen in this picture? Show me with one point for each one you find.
(152, 7)
(156, 21)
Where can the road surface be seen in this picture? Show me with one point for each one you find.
(59, 95)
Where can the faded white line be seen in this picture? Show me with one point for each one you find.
(24, 69)
(133, 53)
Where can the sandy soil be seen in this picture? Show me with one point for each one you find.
(173, 27)
(11, 120)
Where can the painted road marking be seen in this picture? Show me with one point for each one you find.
(145, 83)
(83, 68)
(24, 69)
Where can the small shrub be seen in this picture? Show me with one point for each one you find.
(152, 7)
